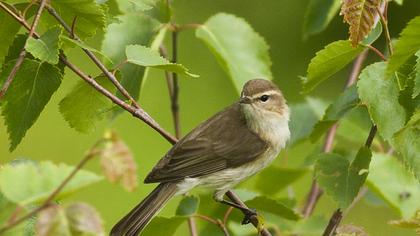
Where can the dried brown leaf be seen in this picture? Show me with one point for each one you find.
(52, 222)
(350, 230)
(84, 220)
(118, 162)
(361, 16)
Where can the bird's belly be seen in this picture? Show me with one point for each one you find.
(224, 180)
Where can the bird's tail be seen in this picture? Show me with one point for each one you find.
(135, 221)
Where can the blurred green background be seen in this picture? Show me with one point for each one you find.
(280, 23)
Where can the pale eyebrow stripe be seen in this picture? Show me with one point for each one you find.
(269, 93)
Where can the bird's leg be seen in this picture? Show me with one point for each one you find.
(249, 213)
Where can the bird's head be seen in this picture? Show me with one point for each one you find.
(264, 95)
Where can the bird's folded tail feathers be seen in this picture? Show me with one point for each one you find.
(135, 221)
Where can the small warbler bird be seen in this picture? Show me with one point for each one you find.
(221, 152)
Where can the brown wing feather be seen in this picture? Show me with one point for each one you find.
(221, 142)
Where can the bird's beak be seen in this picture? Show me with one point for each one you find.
(245, 100)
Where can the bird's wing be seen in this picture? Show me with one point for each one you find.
(219, 143)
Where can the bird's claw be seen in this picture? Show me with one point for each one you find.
(248, 216)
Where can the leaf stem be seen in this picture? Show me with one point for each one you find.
(23, 52)
(383, 17)
(377, 52)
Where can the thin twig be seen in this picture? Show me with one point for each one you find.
(316, 192)
(22, 53)
(383, 16)
(227, 214)
(223, 227)
(377, 52)
(234, 198)
(206, 218)
(47, 202)
(92, 56)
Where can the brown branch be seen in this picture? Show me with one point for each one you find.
(383, 16)
(47, 202)
(22, 53)
(316, 192)
(377, 52)
(92, 56)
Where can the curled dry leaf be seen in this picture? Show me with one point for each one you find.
(75, 220)
(350, 230)
(361, 16)
(117, 162)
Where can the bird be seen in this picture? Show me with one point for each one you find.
(219, 153)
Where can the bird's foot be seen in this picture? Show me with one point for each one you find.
(249, 214)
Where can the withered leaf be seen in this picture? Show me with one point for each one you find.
(361, 16)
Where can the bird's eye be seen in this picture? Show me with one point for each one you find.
(264, 98)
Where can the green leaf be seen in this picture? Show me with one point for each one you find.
(282, 177)
(329, 61)
(303, 117)
(131, 29)
(90, 16)
(373, 35)
(82, 45)
(241, 51)
(32, 88)
(390, 181)
(406, 46)
(340, 179)
(83, 107)
(37, 181)
(188, 206)
(318, 15)
(407, 142)
(157, 9)
(144, 56)
(46, 48)
(312, 226)
(416, 89)
(262, 203)
(52, 221)
(344, 103)
(381, 97)
(8, 30)
(163, 226)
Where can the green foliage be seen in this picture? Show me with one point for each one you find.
(131, 28)
(272, 206)
(389, 180)
(8, 29)
(37, 181)
(163, 226)
(46, 47)
(340, 179)
(83, 107)
(344, 103)
(188, 206)
(241, 51)
(32, 88)
(406, 46)
(77, 219)
(361, 16)
(382, 102)
(328, 61)
(90, 16)
(318, 15)
(407, 142)
(273, 179)
(303, 117)
(143, 56)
